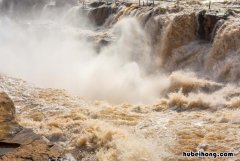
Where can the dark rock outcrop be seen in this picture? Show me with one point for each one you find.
(96, 4)
(100, 14)
(19, 143)
(208, 22)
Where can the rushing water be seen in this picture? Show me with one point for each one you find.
(53, 53)
(158, 63)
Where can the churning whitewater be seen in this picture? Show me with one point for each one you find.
(119, 81)
(46, 51)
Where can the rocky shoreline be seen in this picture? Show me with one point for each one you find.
(19, 143)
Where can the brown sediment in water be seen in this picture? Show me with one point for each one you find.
(127, 132)
(223, 57)
(176, 35)
(188, 82)
(197, 106)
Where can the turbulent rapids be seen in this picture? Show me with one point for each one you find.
(118, 81)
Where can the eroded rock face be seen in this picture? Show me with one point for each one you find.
(209, 22)
(8, 125)
(100, 14)
(19, 143)
(96, 4)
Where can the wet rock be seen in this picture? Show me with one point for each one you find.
(19, 143)
(147, 16)
(96, 4)
(99, 15)
(100, 41)
(7, 109)
(8, 126)
(128, 4)
(209, 22)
